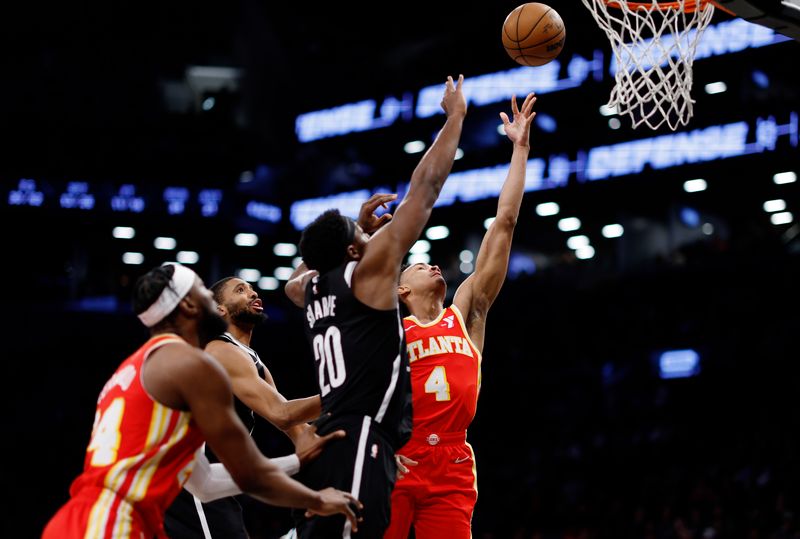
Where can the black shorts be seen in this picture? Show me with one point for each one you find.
(185, 517)
(361, 463)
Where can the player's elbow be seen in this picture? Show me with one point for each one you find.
(283, 421)
(506, 219)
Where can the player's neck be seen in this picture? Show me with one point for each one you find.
(426, 309)
(243, 335)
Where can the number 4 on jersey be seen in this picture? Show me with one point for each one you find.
(106, 435)
(437, 383)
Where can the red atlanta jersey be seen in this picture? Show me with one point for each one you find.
(140, 453)
(445, 373)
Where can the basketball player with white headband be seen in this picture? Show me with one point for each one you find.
(154, 414)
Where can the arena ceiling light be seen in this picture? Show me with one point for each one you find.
(165, 243)
(439, 232)
(421, 246)
(283, 273)
(123, 232)
(605, 110)
(466, 256)
(285, 249)
(419, 258)
(772, 206)
(415, 146)
(268, 283)
(782, 218)
(249, 274)
(576, 242)
(612, 231)
(716, 87)
(132, 258)
(568, 224)
(584, 253)
(784, 177)
(187, 257)
(459, 154)
(245, 239)
(546, 209)
(695, 186)
(488, 222)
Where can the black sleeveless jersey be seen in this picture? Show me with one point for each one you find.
(360, 356)
(244, 413)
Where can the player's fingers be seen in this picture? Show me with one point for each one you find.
(354, 500)
(504, 117)
(514, 107)
(351, 516)
(449, 83)
(334, 434)
(384, 218)
(387, 198)
(528, 105)
(460, 81)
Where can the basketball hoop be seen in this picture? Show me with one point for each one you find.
(654, 46)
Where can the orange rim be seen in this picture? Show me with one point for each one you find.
(689, 6)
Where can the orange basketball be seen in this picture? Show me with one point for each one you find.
(533, 34)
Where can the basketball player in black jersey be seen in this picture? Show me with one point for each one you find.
(254, 390)
(347, 287)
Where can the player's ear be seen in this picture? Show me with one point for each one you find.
(222, 310)
(353, 252)
(189, 306)
(403, 291)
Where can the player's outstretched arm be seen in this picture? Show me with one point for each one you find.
(477, 293)
(379, 268)
(187, 378)
(258, 394)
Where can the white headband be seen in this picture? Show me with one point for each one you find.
(177, 288)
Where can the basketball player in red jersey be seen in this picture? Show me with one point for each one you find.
(153, 415)
(437, 496)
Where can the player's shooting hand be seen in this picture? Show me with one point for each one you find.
(367, 220)
(402, 462)
(335, 501)
(308, 445)
(518, 130)
(454, 101)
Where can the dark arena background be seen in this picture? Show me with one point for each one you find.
(639, 374)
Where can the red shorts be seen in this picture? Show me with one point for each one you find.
(105, 518)
(438, 495)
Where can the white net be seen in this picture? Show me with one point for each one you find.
(654, 46)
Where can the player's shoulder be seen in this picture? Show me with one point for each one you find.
(231, 356)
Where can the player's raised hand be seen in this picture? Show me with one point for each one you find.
(454, 101)
(367, 220)
(518, 130)
(335, 501)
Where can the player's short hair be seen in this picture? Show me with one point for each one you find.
(403, 268)
(216, 288)
(149, 286)
(323, 244)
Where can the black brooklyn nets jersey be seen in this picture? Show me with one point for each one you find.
(360, 356)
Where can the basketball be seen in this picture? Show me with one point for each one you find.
(533, 34)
